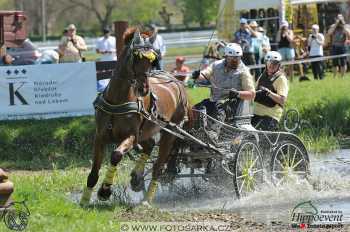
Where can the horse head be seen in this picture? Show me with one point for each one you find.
(140, 55)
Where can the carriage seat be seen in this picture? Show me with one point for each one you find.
(243, 115)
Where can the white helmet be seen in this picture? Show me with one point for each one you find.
(273, 56)
(233, 49)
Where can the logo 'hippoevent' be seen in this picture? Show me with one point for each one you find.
(307, 215)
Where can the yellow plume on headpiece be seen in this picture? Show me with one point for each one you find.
(150, 55)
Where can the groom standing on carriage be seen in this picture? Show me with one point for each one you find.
(229, 78)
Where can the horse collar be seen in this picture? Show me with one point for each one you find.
(120, 109)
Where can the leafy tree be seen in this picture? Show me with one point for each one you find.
(102, 9)
(199, 11)
(141, 11)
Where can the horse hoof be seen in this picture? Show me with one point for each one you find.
(137, 182)
(146, 204)
(104, 192)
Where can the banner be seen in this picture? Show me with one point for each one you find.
(47, 91)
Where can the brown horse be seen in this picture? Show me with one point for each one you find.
(120, 116)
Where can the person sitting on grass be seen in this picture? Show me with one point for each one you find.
(271, 94)
(6, 189)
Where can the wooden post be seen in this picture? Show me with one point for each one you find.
(119, 28)
(2, 37)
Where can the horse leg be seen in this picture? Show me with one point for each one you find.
(105, 191)
(93, 176)
(137, 178)
(165, 145)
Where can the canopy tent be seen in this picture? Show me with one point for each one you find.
(244, 4)
(294, 2)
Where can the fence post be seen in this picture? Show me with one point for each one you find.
(119, 28)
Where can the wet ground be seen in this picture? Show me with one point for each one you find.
(270, 208)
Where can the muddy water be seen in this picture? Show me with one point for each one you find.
(328, 189)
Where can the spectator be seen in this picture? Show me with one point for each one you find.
(181, 71)
(244, 38)
(285, 39)
(256, 46)
(300, 48)
(339, 37)
(6, 189)
(71, 46)
(7, 59)
(159, 47)
(106, 46)
(315, 43)
(265, 44)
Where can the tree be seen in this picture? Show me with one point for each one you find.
(102, 9)
(199, 11)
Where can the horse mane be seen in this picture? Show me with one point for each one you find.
(129, 34)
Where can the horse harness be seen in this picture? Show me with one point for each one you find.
(137, 107)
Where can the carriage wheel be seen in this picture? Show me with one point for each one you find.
(289, 161)
(16, 219)
(247, 169)
(291, 120)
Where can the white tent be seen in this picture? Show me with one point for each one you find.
(244, 4)
(314, 1)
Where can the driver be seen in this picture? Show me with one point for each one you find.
(271, 95)
(6, 189)
(229, 78)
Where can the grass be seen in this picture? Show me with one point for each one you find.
(171, 52)
(52, 199)
(60, 151)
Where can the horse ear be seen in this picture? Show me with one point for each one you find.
(153, 38)
(137, 37)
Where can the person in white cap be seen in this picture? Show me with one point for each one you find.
(315, 43)
(271, 94)
(71, 46)
(229, 78)
(244, 38)
(285, 39)
(106, 46)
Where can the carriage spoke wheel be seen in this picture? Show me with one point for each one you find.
(291, 120)
(288, 162)
(247, 169)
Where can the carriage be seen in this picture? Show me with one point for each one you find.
(148, 102)
(213, 150)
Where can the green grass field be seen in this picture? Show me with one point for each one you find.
(171, 52)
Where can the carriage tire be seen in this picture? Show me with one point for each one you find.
(294, 159)
(252, 173)
(291, 120)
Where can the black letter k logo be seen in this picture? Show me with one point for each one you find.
(14, 93)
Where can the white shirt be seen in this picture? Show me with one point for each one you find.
(316, 45)
(107, 45)
(159, 44)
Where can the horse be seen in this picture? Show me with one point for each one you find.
(123, 111)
